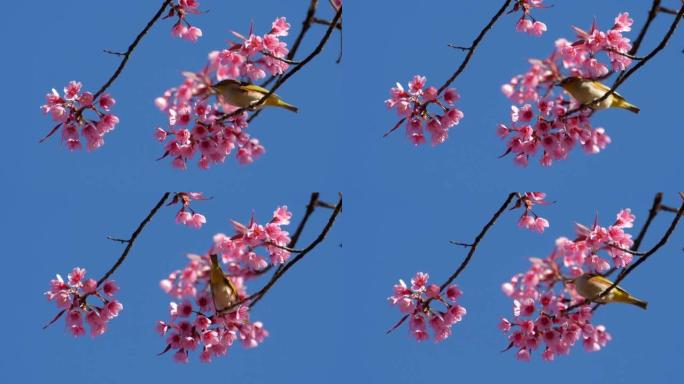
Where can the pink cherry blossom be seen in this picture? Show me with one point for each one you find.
(529, 218)
(527, 23)
(182, 28)
(194, 324)
(201, 124)
(72, 297)
(415, 302)
(543, 295)
(70, 113)
(413, 105)
(554, 123)
(186, 215)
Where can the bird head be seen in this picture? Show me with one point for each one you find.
(570, 81)
(226, 85)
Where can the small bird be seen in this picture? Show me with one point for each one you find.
(223, 291)
(590, 286)
(586, 91)
(244, 95)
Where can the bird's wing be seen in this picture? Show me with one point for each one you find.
(605, 88)
(233, 289)
(606, 283)
(254, 88)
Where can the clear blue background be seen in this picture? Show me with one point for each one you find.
(328, 316)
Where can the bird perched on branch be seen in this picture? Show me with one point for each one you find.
(245, 95)
(223, 291)
(586, 91)
(590, 286)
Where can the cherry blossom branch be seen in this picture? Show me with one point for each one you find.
(641, 63)
(478, 238)
(473, 46)
(280, 272)
(310, 208)
(470, 49)
(643, 256)
(464, 263)
(81, 297)
(652, 213)
(663, 240)
(652, 13)
(309, 20)
(126, 55)
(131, 240)
(282, 79)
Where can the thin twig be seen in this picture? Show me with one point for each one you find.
(126, 55)
(134, 236)
(317, 20)
(473, 46)
(667, 10)
(284, 60)
(478, 238)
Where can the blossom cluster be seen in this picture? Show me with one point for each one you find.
(198, 124)
(186, 215)
(555, 123)
(527, 23)
(182, 28)
(71, 295)
(529, 219)
(548, 313)
(415, 300)
(194, 322)
(412, 104)
(68, 110)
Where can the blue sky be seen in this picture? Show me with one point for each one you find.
(403, 204)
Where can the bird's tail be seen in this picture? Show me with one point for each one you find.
(633, 300)
(625, 105)
(279, 103)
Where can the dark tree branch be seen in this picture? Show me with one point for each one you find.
(130, 241)
(466, 60)
(652, 213)
(478, 238)
(473, 248)
(473, 46)
(652, 13)
(126, 55)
